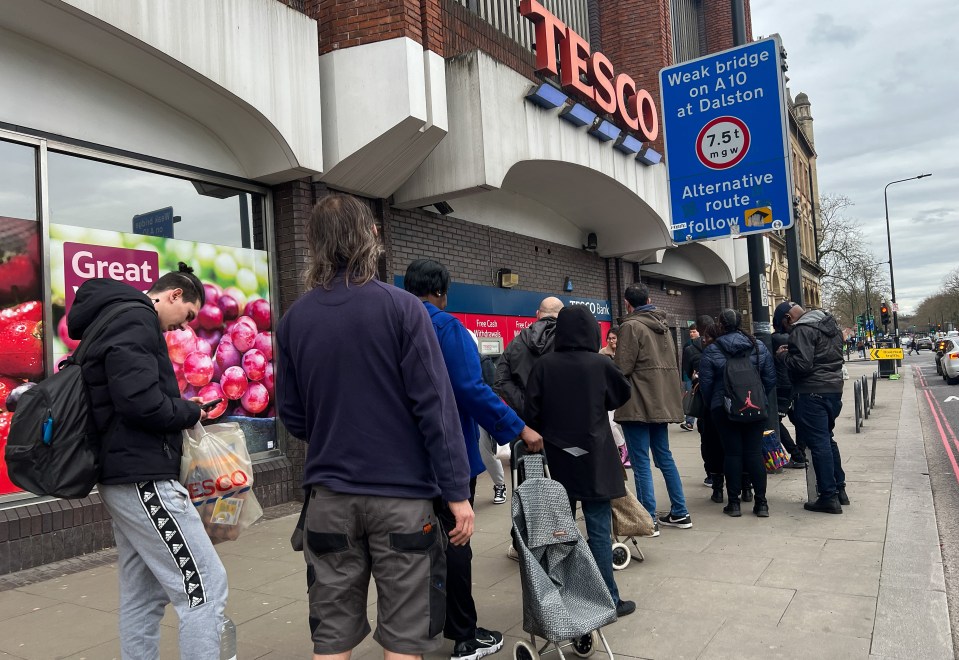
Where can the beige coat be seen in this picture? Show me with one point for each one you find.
(646, 354)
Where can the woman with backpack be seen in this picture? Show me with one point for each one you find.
(736, 376)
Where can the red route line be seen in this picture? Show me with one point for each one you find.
(936, 412)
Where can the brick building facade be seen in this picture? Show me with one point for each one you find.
(414, 103)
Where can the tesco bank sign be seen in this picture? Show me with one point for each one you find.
(614, 93)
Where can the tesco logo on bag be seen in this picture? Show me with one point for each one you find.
(222, 484)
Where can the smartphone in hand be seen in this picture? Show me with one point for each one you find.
(210, 405)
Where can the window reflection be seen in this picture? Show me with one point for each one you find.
(18, 181)
(96, 195)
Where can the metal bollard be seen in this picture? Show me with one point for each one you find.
(865, 397)
(875, 382)
(812, 493)
(857, 395)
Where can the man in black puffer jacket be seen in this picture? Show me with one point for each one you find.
(514, 367)
(784, 396)
(164, 553)
(814, 360)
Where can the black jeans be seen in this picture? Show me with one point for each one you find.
(815, 420)
(710, 446)
(460, 607)
(743, 449)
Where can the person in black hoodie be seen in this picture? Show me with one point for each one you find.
(742, 441)
(784, 391)
(164, 553)
(516, 363)
(567, 396)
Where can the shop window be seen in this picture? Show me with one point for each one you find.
(104, 196)
(21, 309)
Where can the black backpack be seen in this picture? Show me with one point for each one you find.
(488, 366)
(745, 397)
(54, 446)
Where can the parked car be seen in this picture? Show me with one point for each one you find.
(950, 365)
(942, 347)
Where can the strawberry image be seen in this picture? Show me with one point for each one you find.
(19, 279)
(28, 311)
(7, 385)
(21, 348)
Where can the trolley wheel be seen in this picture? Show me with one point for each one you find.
(525, 651)
(621, 556)
(586, 645)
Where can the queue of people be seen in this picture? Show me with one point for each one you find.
(390, 494)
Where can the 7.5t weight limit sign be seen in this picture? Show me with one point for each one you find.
(722, 143)
(727, 148)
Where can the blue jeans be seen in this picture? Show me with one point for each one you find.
(640, 438)
(598, 515)
(815, 419)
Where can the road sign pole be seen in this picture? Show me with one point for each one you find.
(759, 304)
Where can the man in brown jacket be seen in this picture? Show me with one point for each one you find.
(646, 354)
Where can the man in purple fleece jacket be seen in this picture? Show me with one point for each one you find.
(361, 378)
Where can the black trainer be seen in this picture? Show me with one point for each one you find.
(747, 494)
(732, 509)
(485, 643)
(675, 521)
(761, 508)
(625, 608)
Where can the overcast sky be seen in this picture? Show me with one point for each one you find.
(883, 80)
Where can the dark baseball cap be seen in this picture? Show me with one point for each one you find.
(781, 310)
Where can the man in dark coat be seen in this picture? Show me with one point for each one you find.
(514, 367)
(784, 391)
(814, 360)
(568, 395)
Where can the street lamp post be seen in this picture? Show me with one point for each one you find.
(892, 279)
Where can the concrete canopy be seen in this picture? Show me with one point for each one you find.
(498, 141)
(204, 84)
(693, 263)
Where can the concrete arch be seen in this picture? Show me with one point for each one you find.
(693, 263)
(152, 80)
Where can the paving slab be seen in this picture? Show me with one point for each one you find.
(841, 614)
(738, 641)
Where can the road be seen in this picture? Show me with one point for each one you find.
(939, 412)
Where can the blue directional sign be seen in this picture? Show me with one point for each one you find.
(154, 223)
(727, 148)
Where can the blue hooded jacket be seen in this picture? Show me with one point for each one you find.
(475, 400)
(712, 368)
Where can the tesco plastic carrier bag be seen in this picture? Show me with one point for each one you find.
(217, 472)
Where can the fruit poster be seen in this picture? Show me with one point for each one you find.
(225, 353)
(21, 322)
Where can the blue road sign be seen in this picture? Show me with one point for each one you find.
(154, 223)
(727, 146)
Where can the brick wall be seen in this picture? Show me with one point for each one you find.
(466, 32)
(347, 23)
(719, 24)
(473, 253)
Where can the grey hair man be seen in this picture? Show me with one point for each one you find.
(513, 369)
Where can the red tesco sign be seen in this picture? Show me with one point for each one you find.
(615, 94)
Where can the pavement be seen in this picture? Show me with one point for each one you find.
(866, 584)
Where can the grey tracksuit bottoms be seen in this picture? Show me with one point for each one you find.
(165, 556)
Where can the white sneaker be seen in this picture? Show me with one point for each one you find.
(512, 554)
(499, 494)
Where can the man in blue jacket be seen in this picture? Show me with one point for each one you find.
(476, 402)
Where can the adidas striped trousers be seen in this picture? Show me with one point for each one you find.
(165, 556)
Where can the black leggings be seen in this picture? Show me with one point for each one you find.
(743, 449)
(710, 446)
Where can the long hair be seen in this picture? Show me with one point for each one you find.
(341, 235)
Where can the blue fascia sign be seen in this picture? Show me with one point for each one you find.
(727, 143)
(477, 299)
(155, 223)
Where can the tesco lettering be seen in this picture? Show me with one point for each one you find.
(222, 484)
(613, 93)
